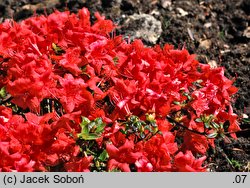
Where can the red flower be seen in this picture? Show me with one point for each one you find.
(122, 156)
(79, 165)
(72, 61)
(232, 118)
(159, 150)
(102, 26)
(73, 95)
(196, 143)
(24, 165)
(143, 165)
(200, 103)
(187, 162)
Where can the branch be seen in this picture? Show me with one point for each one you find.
(171, 120)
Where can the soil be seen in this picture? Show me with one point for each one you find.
(217, 31)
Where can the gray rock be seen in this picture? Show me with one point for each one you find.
(143, 26)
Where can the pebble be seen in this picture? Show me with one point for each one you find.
(246, 33)
(207, 25)
(212, 63)
(182, 12)
(166, 3)
(205, 44)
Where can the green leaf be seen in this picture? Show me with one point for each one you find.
(85, 121)
(85, 128)
(153, 124)
(141, 128)
(91, 130)
(123, 131)
(246, 120)
(133, 119)
(57, 49)
(147, 127)
(138, 124)
(99, 125)
(155, 130)
(215, 125)
(159, 132)
(212, 135)
(2, 92)
(176, 102)
(236, 163)
(198, 120)
(116, 60)
(103, 156)
(187, 95)
(90, 136)
(206, 125)
(210, 118)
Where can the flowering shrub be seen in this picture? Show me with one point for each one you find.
(75, 99)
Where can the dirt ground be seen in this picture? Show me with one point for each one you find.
(218, 31)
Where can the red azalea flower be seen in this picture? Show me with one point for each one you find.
(73, 95)
(187, 162)
(196, 143)
(143, 165)
(115, 165)
(200, 103)
(122, 156)
(72, 61)
(159, 150)
(79, 165)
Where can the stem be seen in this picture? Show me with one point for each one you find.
(171, 120)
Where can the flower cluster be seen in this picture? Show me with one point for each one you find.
(75, 99)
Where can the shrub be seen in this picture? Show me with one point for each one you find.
(75, 99)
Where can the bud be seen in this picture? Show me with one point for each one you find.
(150, 117)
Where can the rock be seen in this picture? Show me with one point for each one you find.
(246, 32)
(205, 44)
(143, 26)
(155, 13)
(166, 3)
(207, 25)
(46, 3)
(182, 12)
(30, 7)
(212, 63)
